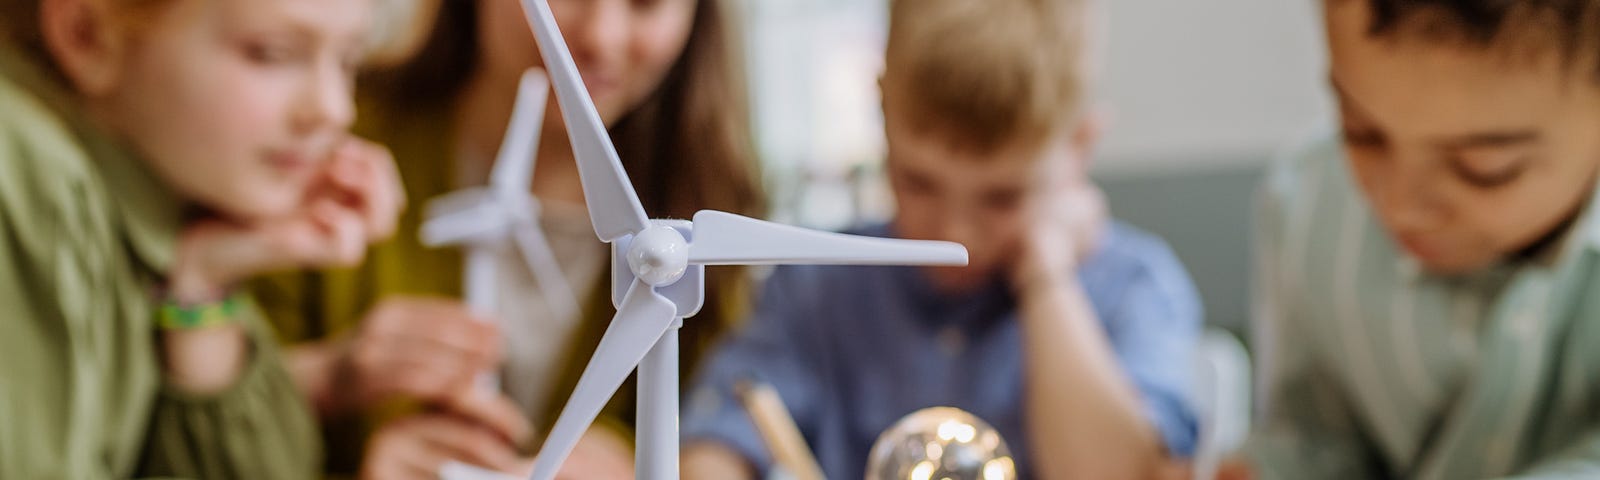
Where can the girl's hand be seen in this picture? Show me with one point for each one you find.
(353, 204)
(356, 202)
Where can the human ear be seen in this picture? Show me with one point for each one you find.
(85, 42)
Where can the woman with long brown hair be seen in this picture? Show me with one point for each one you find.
(667, 80)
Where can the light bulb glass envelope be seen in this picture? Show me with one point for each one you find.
(940, 443)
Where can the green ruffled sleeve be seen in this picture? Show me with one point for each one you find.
(260, 428)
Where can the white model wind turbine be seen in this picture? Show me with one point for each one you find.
(485, 218)
(658, 273)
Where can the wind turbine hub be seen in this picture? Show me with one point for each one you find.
(659, 255)
(521, 206)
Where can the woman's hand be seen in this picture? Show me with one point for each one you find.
(428, 349)
(417, 447)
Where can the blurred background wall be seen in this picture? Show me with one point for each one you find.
(1200, 95)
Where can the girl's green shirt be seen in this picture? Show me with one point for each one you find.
(86, 235)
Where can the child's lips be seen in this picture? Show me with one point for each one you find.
(601, 85)
(290, 162)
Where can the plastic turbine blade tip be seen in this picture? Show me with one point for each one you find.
(513, 165)
(726, 239)
(613, 205)
(459, 226)
(640, 322)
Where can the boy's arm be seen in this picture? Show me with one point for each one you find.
(720, 439)
(1099, 403)
(1102, 406)
(1308, 432)
(1307, 429)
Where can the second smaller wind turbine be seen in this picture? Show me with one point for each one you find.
(484, 220)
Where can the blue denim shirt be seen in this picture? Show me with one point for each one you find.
(853, 349)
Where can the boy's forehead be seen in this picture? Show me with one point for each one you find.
(1438, 88)
(939, 150)
(1450, 94)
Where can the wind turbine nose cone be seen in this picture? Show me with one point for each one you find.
(659, 255)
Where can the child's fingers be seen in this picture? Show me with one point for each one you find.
(393, 191)
(343, 242)
(385, 196)
(366, 177)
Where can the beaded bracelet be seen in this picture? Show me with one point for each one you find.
(177, 316)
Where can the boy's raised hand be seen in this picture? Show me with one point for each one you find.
(1066, 228)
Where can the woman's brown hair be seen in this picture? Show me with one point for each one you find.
(687, 147)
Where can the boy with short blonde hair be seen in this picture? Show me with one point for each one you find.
(1071, 334)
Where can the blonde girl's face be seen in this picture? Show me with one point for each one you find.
(237, 103)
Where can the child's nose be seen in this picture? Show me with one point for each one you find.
(1412, 204)
(959, 228)
(600, 31)
(326, 102)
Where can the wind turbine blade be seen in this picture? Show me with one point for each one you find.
(459, 226)
(644, 316)
(542, 262)
(457, 470)
(456, 201)
(613, 205)
(722, 238)
(513, 165)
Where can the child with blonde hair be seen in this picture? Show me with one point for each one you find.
(153, 155)
(1070, 333)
